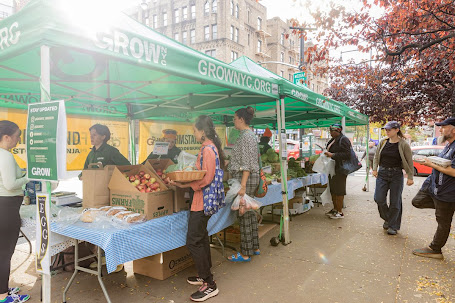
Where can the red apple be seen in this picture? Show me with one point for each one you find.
(158, 189)
(137, 181)
(148, 189)
(140, 186)
(142, 190)
(144, 180)
(147, 176)
(132, 178)
(153, 180)
(137, 176)
(155, 185)
(141, 173)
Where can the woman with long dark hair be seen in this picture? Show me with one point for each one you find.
(393, 155)
(11, 197)
(197, 239)
(244, 166)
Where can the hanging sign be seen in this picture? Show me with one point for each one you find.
(43, 257)
(46, 141)
(161, 148)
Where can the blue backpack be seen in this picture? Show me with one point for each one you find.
(213, 194)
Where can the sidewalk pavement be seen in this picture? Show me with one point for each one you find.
(347, 260)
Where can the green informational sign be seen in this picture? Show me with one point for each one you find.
(307, 145)
(298, 77)
(46, 141)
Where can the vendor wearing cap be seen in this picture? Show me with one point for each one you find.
(102, 152)
(339, 149)
(170, 136)
(392, 156)
(438, 192)
(264, 141)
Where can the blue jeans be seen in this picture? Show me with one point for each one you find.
(390, 179)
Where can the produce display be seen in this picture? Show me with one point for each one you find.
(162, 175)
(310, 163)
(270, 157)
(144, 182)
(294, 169)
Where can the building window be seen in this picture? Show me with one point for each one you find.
(214, 6)
(290, 60)
(248, 39)
(184, 13)
(211, 52)
(282, 74)
(237, 11)
(282, 38)
(236, 37)
(214, 32)
(234, 56)
(185, 37)
(176, 36)
(232, 32)
(164, 19)
(259, 46)
(282, 57)
(193, 36)
(259, 23)
(290, 77)
(248, 13)
(193, 11)
(206, 33)
(206, 7)
(176, 16)
(155, 21)
(232, 7)
(147, 21)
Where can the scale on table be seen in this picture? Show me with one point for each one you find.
(61, 198)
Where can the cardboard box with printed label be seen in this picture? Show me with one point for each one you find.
(95, 181)
(164, 265)
(181, 195)
(152, 204)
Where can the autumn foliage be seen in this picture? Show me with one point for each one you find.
(412, 74)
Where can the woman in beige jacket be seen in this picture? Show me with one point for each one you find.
(393, 155)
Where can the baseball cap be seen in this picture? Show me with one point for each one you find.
(448, 121)
(391, 124)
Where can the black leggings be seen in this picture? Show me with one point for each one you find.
(10, 224)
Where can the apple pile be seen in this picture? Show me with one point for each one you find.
(162, 175)
(144, 182)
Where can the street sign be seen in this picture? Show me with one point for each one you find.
(300, 79)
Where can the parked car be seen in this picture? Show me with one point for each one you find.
(292, 148)
(426, 151)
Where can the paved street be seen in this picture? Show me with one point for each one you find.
(349, 260)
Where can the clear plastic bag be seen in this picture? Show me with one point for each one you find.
(186, 161)
(245, 203)
(324, 165)
(234, 187)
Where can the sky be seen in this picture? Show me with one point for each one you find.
(288, 9)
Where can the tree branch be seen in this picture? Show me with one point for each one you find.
(419, 46)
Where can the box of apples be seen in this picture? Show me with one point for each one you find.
(182, 197)
(142, 191)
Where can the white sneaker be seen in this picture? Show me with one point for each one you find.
(337, 215)
(331, 212)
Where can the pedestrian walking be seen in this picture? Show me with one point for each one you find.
(393, 155)
(11, 197)
(197, 239)
(339, 149)
(438, 192)
(244, 166)
(371, 152)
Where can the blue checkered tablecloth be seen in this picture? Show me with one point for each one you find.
(163, 234)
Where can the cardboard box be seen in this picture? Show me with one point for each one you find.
(95, 181)
(164, 265)
(232, 234)
(182, 198)
(154, 164)
(153, 205)
(181, 195)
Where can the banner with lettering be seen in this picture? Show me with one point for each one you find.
(152, 131)
(78, 140)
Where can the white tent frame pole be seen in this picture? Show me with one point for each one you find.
(283, 167)
(45, 80)
(367, 179)
(343, 124)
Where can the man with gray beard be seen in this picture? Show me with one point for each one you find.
(438, 192)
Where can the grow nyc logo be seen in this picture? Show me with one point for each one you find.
(118, 42)
(9, 35)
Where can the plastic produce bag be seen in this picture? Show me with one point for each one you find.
(324, 165)
(186, 161)
(245, 203)
(326, 197)
(234, 187)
